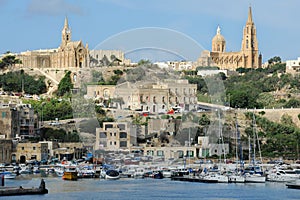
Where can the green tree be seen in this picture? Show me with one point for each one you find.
(9, 60)
(292, 103)
(144, 62)
(65, 85)
(287, 120)
(275, 59)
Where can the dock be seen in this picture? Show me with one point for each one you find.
(14, 191)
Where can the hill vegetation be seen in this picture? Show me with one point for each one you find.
(267, 87)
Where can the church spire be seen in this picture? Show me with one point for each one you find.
(66, 26)
(250, 21)
(66, 33)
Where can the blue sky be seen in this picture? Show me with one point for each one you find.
(37, 24)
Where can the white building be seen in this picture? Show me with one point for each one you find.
(293, 66)
(210, 72)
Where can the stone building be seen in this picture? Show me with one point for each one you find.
(101, 93)
(68, 150)
(107, 58)
(70, 54)
(31, 151)
(114, 136)
(26, 120)
(9, 126)
(247, 57)
(159, 97)
(209, 149)
(17, 120)
(171, 153)
(6, 147)
(293, 66)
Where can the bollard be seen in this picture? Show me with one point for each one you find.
(2, 180)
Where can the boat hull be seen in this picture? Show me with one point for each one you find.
(72, 176)
(112, 175)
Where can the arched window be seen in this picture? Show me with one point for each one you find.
(247, 44)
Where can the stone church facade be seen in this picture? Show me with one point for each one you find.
(247, 57)
(70, 54)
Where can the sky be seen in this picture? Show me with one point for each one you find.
(180, 27)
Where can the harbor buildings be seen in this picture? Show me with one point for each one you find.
(114, 136)
(151, 97)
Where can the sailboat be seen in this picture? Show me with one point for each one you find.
(237, 176)
(254, 172)
(218, 176)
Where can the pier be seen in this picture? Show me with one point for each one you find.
(14, 191)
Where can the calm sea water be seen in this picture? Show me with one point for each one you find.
(154, 189)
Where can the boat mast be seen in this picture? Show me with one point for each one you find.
(238, 149)
(221, 138)
(256, 135)
(254, 142)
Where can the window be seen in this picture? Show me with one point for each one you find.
(190, 153)
(150, 153)
(3, 114)
(22, 148)
(103, 135)
(33, 148)
(123, 135)
(121, 126)
(247, 45)
(123, 144)
(180, 154)
(108, 126)
(160, 153)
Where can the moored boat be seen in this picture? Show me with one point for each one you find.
(8, 175)
(112, 174)
(294, 184)
(70, 173)
(254, 178)
(282, 176)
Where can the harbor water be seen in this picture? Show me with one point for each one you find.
(154, 189)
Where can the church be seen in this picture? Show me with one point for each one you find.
(247, 57)
(70, 54)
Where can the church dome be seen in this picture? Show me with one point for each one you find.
(218, 42)
(218, 37)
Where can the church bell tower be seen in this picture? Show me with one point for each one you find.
(66, 33)
(252, 59)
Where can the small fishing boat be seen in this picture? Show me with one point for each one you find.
(70, 173)
(8, 175)
(112, 174)
(294, 184)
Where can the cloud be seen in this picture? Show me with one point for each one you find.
(52, 7)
